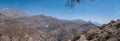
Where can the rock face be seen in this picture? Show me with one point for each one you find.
(108, 32)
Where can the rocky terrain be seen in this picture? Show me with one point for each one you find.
(52, 27)
(18, 26)
(107, 32)
(12, 30)
(57, 28)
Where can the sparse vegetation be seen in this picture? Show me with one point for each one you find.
(105, 33)
(45, 28)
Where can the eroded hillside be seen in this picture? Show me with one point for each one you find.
(17, 26)
(13, 30)
(108, 32)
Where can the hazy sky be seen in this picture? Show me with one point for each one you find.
(101, 11)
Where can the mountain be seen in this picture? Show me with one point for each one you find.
(2, 16)
(13, 30)
(98, 24)
(107, 32)
(38, 27)
(54, 27)
(12, 13)
(79, 21)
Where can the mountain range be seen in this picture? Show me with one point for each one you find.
(47, 27)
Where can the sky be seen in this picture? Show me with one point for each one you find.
(101, 11)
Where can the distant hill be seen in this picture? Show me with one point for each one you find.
(79, 21)
(12, 13)
(98, 24)
(57, 28)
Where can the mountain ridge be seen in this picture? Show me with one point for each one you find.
(48, 26)
(12, 13)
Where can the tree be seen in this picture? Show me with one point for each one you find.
(71, 3)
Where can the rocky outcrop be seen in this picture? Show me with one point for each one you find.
(108, 32)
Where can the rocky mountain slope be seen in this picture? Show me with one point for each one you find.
(107, 32)
(39, 27)
(57, 28)
(13, 30)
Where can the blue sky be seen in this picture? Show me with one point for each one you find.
(101, 11)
